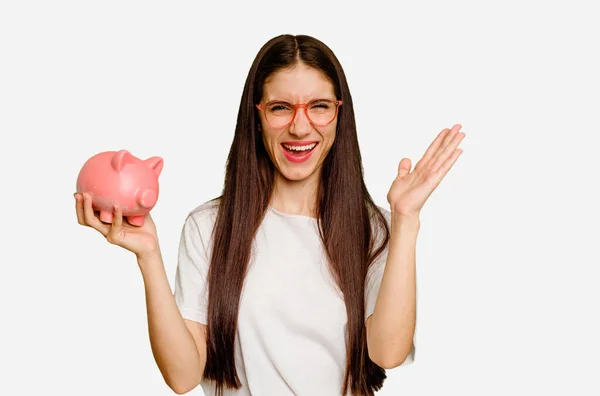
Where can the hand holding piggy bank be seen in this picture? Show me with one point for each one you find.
(118, 178)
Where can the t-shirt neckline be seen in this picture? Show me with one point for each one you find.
(291, 216)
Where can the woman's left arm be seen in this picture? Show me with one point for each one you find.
(391, 328)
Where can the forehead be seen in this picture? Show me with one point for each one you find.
(298, 84)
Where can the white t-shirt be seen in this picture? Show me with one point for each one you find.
(292, 323)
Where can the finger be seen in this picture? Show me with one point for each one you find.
(79, 208)
(448, 164)
(117, 225)
(90, 219)
(403, 167)
(433, 148)
(448, 151)
(445, 144)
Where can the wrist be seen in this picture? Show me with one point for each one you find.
(148, 258)
(405, 225)
(408, 219)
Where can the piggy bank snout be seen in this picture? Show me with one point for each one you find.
(147, 198)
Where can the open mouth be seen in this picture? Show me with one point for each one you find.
(299, 151)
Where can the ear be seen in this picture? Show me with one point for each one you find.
(155, 163)
(120, 159)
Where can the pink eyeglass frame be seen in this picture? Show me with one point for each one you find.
(337, 103)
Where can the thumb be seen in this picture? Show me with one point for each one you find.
(403, 168)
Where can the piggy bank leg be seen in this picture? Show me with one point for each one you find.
(106, 217)
(136, 220)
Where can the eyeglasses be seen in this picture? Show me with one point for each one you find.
(320, 112)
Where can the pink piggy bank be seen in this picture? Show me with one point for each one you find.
(117, 177)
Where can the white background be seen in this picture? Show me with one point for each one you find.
(507, 254)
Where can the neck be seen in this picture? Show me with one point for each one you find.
(295, 196)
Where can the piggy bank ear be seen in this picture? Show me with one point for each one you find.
(155, 163)
(120, 159)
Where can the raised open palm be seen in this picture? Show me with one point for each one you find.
(410, 190)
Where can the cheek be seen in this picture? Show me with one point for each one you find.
(270, 140)
(329, 136)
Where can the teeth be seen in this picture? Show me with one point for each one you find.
(300, 148)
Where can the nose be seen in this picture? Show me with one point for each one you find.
(147, 198)
(301, 125)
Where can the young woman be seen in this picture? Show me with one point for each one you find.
(293, 281)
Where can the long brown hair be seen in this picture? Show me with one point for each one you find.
(347, 212)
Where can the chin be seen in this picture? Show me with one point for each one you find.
(297, 174)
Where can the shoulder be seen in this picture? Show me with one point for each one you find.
(375, 223)
(204, 216)
(206, 209)
(377, 227)
(385, 212)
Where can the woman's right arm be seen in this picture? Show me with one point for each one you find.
(178, 345)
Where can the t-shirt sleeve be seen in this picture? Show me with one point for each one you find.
(190, 288)
(373, 283)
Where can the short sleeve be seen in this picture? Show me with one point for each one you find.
(373, 283)
(191, 291)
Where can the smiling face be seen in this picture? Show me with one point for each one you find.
(301, 84)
